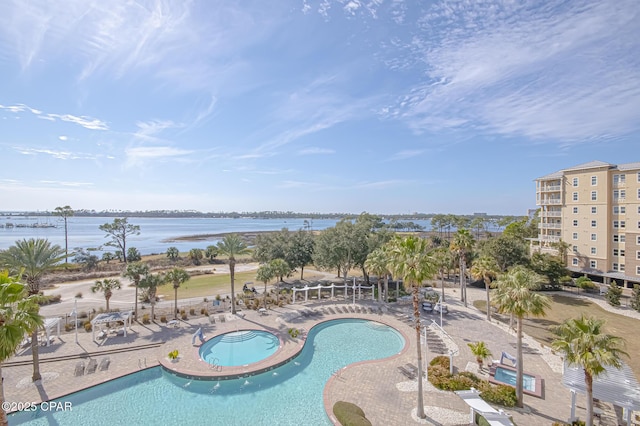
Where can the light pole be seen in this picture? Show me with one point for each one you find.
(75, 316)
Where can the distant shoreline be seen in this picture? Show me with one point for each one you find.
(204, 237)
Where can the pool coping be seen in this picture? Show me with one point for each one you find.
(538, 393)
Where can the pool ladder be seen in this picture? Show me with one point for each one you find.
(215, 366)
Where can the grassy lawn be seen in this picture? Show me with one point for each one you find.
(209, 285)
(565, 307)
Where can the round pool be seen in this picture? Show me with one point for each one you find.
(239, 348)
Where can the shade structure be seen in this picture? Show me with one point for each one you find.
(49, 324)
(125, 317)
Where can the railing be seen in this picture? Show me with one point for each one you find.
(550, 188)
(550, 225)
(550, 214)
(547, 201)
(549, 238)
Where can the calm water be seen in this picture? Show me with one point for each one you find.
(155, 233)
(239, 348)
(288, 395)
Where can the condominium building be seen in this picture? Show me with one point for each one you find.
(595, 209)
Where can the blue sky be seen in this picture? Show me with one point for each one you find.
(386, 106)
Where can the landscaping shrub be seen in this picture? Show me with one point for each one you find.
(47, 300)
(68, 327)
(87, 326)
(500, 394)
(145, 319)
(441, 360)
(585, 283)
(635, 298)
(613, 294)
(184, 317)
(163, 318)
(349, 414)
(79, 295)
(192, 311)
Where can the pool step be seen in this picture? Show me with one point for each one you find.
(239, 336)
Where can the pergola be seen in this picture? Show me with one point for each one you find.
(332, 287)
(111, 317)
(48, 325)
(617, 386)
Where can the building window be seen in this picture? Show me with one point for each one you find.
(619, 179)
(575, 210)
(638, 176)
(618, 238)
(575, 181)
(622, 224)
(575, 196)
(619, 224)
(594, 180)
(575, 250)
(618, 252)
(593, 250)
(574, 262)
(594, 195)
(638, 240)
(575, 236)
(594, 237)
(615, 267)
(638, 194)
(622, 267)
(575, 223)
(637, 267)
(593, 264)
(594, 210)
(637, 255)
(619, 194)
(619, 209)
(593, 224)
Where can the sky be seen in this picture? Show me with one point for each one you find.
(384, 106)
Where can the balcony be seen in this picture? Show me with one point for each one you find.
(549, 238)
(550, 188)
(550, 226)
(550, 214)
(550, 201)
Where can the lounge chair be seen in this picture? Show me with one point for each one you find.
(412, 368)
(91, 367)
(222, 318)
(104, 364)
(212, 319)
(406, 373)
(79, 371)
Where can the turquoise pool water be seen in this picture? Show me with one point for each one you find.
(288, 395)
(239, 348)
(509, 377)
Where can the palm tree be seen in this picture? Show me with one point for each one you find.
(32, 259)
(442, 259)
(409, 259)
(65, 213)
(18, 316)
(583, 343)
(377, 263)
(135, 271)
(151, 282)
(514, 296)
(265, 274)
(486, 268)
(177, 276)
(173, 254)
(480, 351)
(232, 246)
(461, 245)
(106, 286)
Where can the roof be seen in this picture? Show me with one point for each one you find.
(589, 165)
(629, 166)
(49, 323)
(554, 175)
(111, 317)
(617, 386)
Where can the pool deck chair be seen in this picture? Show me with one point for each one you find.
(104, 364)
(91, 367)
(406, 373)
(79, 371)
(413, 369)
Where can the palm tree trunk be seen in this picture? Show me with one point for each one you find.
(3, 413)
(588, 379)
(519, 369)
(461, 280)
(442, 284)
(175, 303)
(232, 271)
(107, 299)
(379, 291)
(416, 316)
(487, 286)
(301, 272)
(386, 288)
(153, 309)
(265, 295)
(36, 356)
(135, 315)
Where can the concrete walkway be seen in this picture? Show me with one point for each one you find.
(386, 396)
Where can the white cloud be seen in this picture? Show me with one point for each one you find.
(63, 138)
(60, 155)
(139, 155)
(407, 153)
(65, 184)
(315, 151)
(558, 70)
(84, 121)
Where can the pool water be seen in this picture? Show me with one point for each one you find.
(509, 377)
(239, 348)
(288, 395)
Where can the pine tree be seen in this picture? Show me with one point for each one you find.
(635, 298)
(613, 294)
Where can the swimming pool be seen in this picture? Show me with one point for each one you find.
(288, 395)
(509, 377)
(239, 348)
